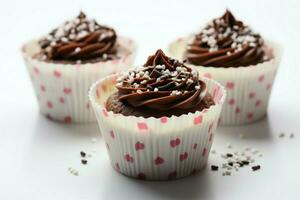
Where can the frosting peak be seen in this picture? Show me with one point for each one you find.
(79, 39)
(226, 42)
(161, 84)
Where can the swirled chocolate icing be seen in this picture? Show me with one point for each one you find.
(162, 87)
(80, 39)
(226, 42)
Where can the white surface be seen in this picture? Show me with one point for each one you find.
(35, 153)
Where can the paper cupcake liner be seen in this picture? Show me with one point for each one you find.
(156, 148)
(248, 88)
(62, 89)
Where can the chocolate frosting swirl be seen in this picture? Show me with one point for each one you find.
(226, 42)
(161, 84)
(79, 39)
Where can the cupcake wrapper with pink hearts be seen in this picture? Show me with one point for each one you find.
(62, 89)
(156, 148)
(248, 88)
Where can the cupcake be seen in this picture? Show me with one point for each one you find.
(230, 52)
(158, 120)
(64, 63)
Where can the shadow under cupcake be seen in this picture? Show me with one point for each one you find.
(63, 65)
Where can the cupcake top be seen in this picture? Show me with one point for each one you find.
(162, 84)
(226, 42)
(80, 39)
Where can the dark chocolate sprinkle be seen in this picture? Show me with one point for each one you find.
(214, 168)
(245, 162)
(83, 154)
(229, 155)
(256, 167)
(84, 161)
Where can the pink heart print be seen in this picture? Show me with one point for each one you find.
(67, 90)
(112, 134)
(36, 70)
(183, 156)
(56, 73)
(61, 100)
(231, 102)
(142, 126)
(210, 127)
(257, 103)
(159, 160)
(163, 120)
(195, 146)
(207, 75)
(252, 95)
(172, 175)
(198, 120)
(43, 88)
(141, 176)
(204, 152)
(67, 119)
(128, 158)
(237, 110)
(250, 115)
(139, 146)
(230, 85)
(175, 142)
(49, 104)
(261, 78)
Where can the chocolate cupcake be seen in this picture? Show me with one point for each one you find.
(232, 53)
(227, 42)
(162, 87)
(64, 63)
(157, 120)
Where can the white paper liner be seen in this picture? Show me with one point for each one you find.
(62, 89)
(248, 88)
(156, 148)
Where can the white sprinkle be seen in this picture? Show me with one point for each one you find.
(160, 66)
(139, 91)
(104, 56)
(53, 43)
(77, 49)
(197, 87)
(78, 62)
(155, 89)
(144, 82)
(64, 39)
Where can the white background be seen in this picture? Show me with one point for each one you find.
(35, 153)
